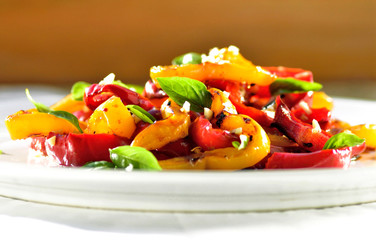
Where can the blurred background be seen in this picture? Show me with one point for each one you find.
(59, 42)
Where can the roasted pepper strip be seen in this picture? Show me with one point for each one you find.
(24, 124)
(302, 133)
(209, 138)
(174, 126)
(233, 159)
(337, 158)
(96, 94)
(226, 63)
(77, 149)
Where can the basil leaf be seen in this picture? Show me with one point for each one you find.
(141, 113)
(39, 106)
(291, 85)
(188, 58)
(236, 144)
(99, 165)
(60, 114)
(67, 116)
(138, 157)
(78, 90)
(181, 89)
(343, 139)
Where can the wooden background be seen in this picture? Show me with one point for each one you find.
(69, 40)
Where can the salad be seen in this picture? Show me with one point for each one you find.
(217, 111)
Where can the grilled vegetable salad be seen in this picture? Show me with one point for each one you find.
(217, 111)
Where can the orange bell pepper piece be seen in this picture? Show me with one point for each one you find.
(174, 126)
(112, 117)
(24, 124)
(225, 63)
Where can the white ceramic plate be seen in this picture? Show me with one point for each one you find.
(191, 191)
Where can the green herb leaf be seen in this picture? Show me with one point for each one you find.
(188, 58)
(78, 90)
(343, 139)
(138, 157)
(39, 106)
(182, 89)
(60, 114)
(244, 140)
(236, 144)
(141, 113)
(67, 116)
(291, 85)
(99, 165)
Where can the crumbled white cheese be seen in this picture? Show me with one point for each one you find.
(316, 126)
(110, 78)
(208, 113)
(270, 113)
(243, 141)
(227, 94)
(305, 107)
(237, 130)
(186, 107)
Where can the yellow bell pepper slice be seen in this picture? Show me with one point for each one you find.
(321, 100)
(232, 158)
(182, 163)
(220, 102)
(112, 117)
(173, 127)
(366, 131)
(24, 124)
(226, 63)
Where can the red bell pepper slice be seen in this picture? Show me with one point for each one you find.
(77, 149)
(235, 97)
(209, 138)
(285, 72)
(291, 99)
(181, 147)
(329, 158)
(302, 133)
(321, 115)
(96, 94)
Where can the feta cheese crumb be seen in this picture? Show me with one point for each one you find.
(316, 126)
(305, 107)
(110, 78)
(237, 130)
(208, 113)
(186, 107)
